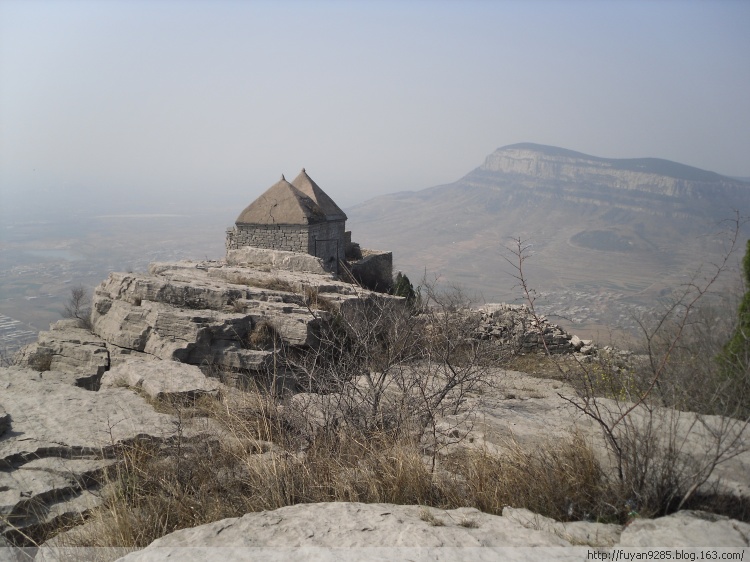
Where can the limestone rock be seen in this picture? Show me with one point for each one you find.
(388, 528)
(687, 528)
(4, 420)
(161, 379)
(276, 259)
(61, 438)
(70, 349)
(515, 326)
(386, 531)
(204, 313)
(576, 532)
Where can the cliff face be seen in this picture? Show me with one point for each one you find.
(648, 185)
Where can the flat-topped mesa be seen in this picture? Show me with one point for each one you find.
(300, 217)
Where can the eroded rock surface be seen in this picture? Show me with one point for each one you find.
(59, 439)
(161, 379)
(334, 531)
(687, 528)
(205, 313)
(68, 348)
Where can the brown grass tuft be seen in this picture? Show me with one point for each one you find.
(316, 301)
(263, 336)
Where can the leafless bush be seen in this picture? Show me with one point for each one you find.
(661, 457)
(7, 357)
(78, 306)
(384, 369)
(41, 360)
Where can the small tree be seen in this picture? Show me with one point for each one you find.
(78, 306)
(402, 287)
(736, 353)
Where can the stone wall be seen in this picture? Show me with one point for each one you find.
(325, 240)
(374, 271)
(288, 237)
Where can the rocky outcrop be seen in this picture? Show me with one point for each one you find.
(161, 379)
(249, 256)
(205, 313)
(199, 313)
(70, 349)
(385, 531)
(630, 183)
(58, 440)
(158, 333)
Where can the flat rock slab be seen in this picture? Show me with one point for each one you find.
(68, 349)
(575, 532)
(58, 442)
(161, 379)
(687, 528)
(356, 531)
(53, 418)
(350, 526)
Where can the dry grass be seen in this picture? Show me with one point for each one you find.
(562, 480)
(558, 367)
(315, 301)
(41, 360)
(263, 336)
(274, 284)
(256, 463)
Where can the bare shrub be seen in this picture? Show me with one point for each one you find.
(41, 360)
(662, 458)
(385, 369)
(7, 357)
(78, 306)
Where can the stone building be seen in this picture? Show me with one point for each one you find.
(296, 217)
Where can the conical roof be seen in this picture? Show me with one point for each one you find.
(306, 185)
(282, 203)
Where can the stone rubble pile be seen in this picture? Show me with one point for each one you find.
(515, 326)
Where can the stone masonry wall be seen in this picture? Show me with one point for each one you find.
(327, 241)
(291, 238)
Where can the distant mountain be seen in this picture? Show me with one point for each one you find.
(606, 232)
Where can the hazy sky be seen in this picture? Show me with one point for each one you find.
(213, 100)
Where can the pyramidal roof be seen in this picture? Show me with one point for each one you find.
(306, 185)
(282, 203)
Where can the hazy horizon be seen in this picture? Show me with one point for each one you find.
(179, 106)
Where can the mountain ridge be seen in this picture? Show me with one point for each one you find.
(612, 226)
(645, 164)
